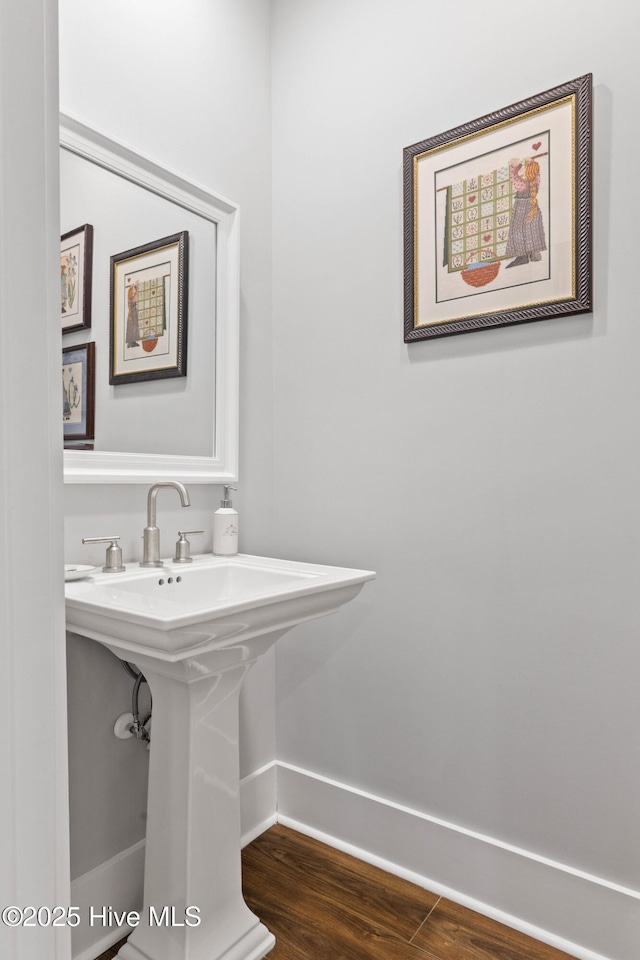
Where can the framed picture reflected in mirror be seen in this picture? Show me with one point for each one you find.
(78, 392)
(148, 339)
(76, 265)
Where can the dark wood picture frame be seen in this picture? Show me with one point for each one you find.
(148, 296)
(76, 267)
(514, 185)
(78, 392)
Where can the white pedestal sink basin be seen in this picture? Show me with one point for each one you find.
(195, 630)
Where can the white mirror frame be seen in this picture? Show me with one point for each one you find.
(95, 466)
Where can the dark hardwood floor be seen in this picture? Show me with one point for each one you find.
(110, 954)
(322, 904)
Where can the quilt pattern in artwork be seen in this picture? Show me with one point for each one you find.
(151, 308)
(479, 212)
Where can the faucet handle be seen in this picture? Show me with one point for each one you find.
(113, 559)
(183, 547)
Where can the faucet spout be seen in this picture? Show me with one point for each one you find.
(152, 496)
(151, 534)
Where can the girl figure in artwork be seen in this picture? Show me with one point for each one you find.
(66, 406)
(63, 285)
(68, 275)
(526, 238)
(132, 332)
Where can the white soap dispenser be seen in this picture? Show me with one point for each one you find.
(225, 527)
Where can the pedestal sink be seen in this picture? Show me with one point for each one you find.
(195, 630)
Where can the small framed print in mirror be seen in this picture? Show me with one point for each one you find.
(148, 338)
(76, 258)
(78, 392)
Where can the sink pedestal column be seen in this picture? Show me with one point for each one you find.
(194, 634)
(193, 828)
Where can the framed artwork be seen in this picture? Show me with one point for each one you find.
(148, 339)
(78, 392)
(497, 217)
(76, 260)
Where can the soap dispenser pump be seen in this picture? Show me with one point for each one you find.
(225, 527)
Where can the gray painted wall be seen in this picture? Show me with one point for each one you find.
(489, 676)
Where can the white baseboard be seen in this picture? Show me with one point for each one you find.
(585, 916)
(119, 882)
(258, 802)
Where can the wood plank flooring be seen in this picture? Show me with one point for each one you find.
(113, 952)
(322, 904)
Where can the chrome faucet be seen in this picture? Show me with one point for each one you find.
(151, 535)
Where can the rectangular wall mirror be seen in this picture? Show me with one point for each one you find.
(182, 427)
